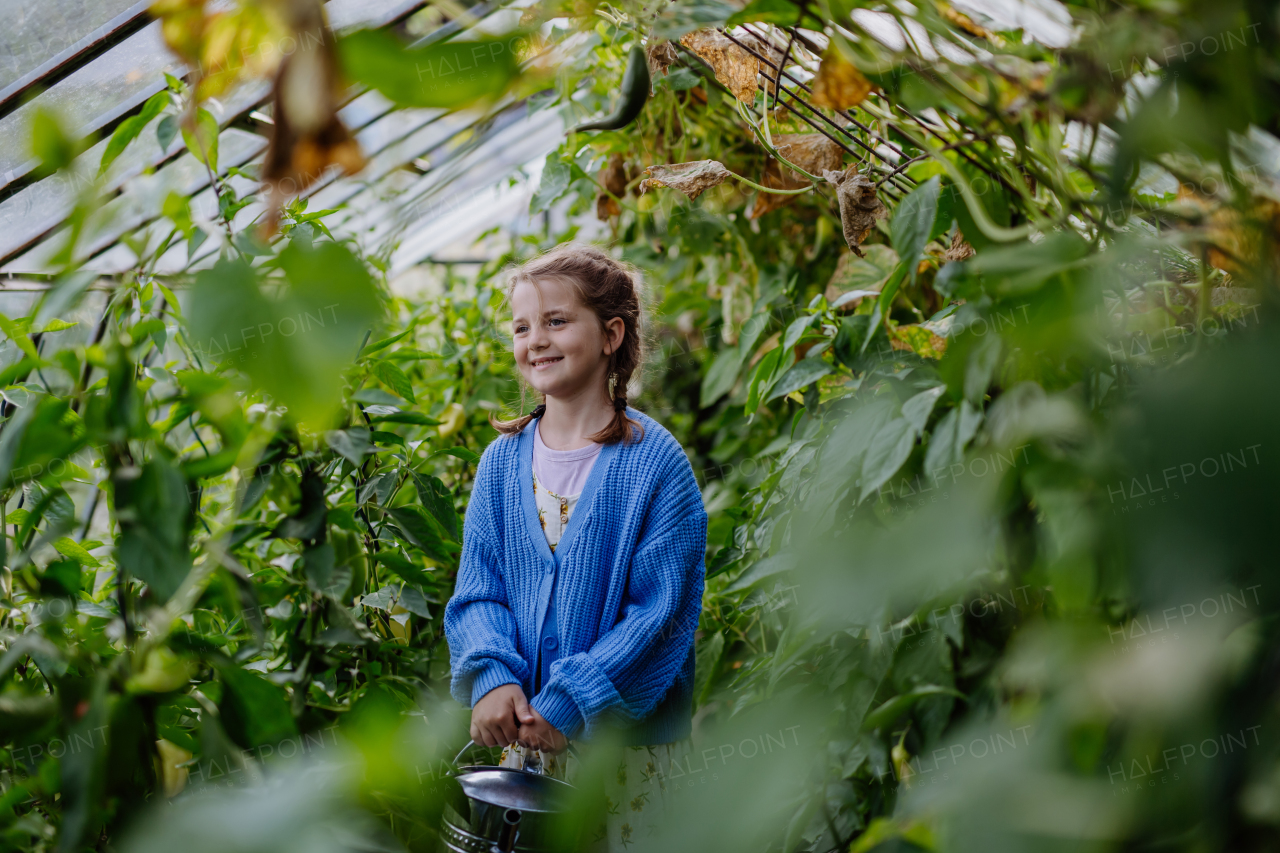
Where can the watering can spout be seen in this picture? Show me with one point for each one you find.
(510, 831)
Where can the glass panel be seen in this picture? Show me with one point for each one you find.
(141, 202)
(129, 73)
(460, 195)
(34, 34)
(103, 90)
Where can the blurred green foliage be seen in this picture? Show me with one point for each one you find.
(989, 505)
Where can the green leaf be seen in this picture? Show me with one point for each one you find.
(780, 12)
(804, 372)
(404, 569)
(166, 130)
(706, 662)
(322, 574)
(395, 379)
(254, 711)
(47, 433)
(554, 183)
(154, 510)
(918, 408)
(129, 129)
(202, 140)
(421, 531)
(351, 444)
(762, 570)
(445, 74)
(402, 595)
(56, 325)
(19, 337)
(50, 142)
(384, 343)
(84, 771)
(763, 378)
(405, 418)
(721, 376)
(950, 437)
(460, 453)
(677, 80)
(913, 222)
(68, 547)
(889, 448)
(438, 500)
(295, 346)
(891, 710)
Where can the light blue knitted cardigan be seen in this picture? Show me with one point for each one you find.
(629, 592)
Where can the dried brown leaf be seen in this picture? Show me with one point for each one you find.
(959, 250)
(606, 207)
(839, 84)
(307, 136)
(661, 55)
(774, 179)
(692, 179)
(812, 152)
(614, 177)
(859, 205)
(732, 64)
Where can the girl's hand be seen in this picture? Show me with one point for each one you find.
(541, 735)
(497, 717)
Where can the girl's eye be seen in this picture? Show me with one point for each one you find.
(521, 329)
(556, 321)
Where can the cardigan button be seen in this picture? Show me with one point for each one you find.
(550, 643)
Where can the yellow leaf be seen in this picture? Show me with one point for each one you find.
(839, 84)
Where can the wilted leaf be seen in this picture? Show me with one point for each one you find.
(774, 178)
(839, 84)
(661, 55)
(733, 65)
(916, 338)
(813, 152)
(859, 205)
(692, 179)
(307, 134)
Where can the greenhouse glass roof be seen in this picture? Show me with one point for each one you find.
(433, 179)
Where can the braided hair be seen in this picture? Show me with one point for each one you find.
(610, 288)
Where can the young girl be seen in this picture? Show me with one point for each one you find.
(582, 570)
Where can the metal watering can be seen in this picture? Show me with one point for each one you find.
(509, 809)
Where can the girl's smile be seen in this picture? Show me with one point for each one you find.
(560, 346)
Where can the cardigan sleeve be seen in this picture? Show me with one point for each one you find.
(629, 670)
(478, 623)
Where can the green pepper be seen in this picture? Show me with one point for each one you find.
(635, 91)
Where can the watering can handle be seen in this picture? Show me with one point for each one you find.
(573, 750)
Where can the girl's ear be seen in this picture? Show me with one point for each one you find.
(614, 331)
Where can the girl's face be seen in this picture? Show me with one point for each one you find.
(560, 347)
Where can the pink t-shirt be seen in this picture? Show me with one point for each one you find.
(562, 472)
